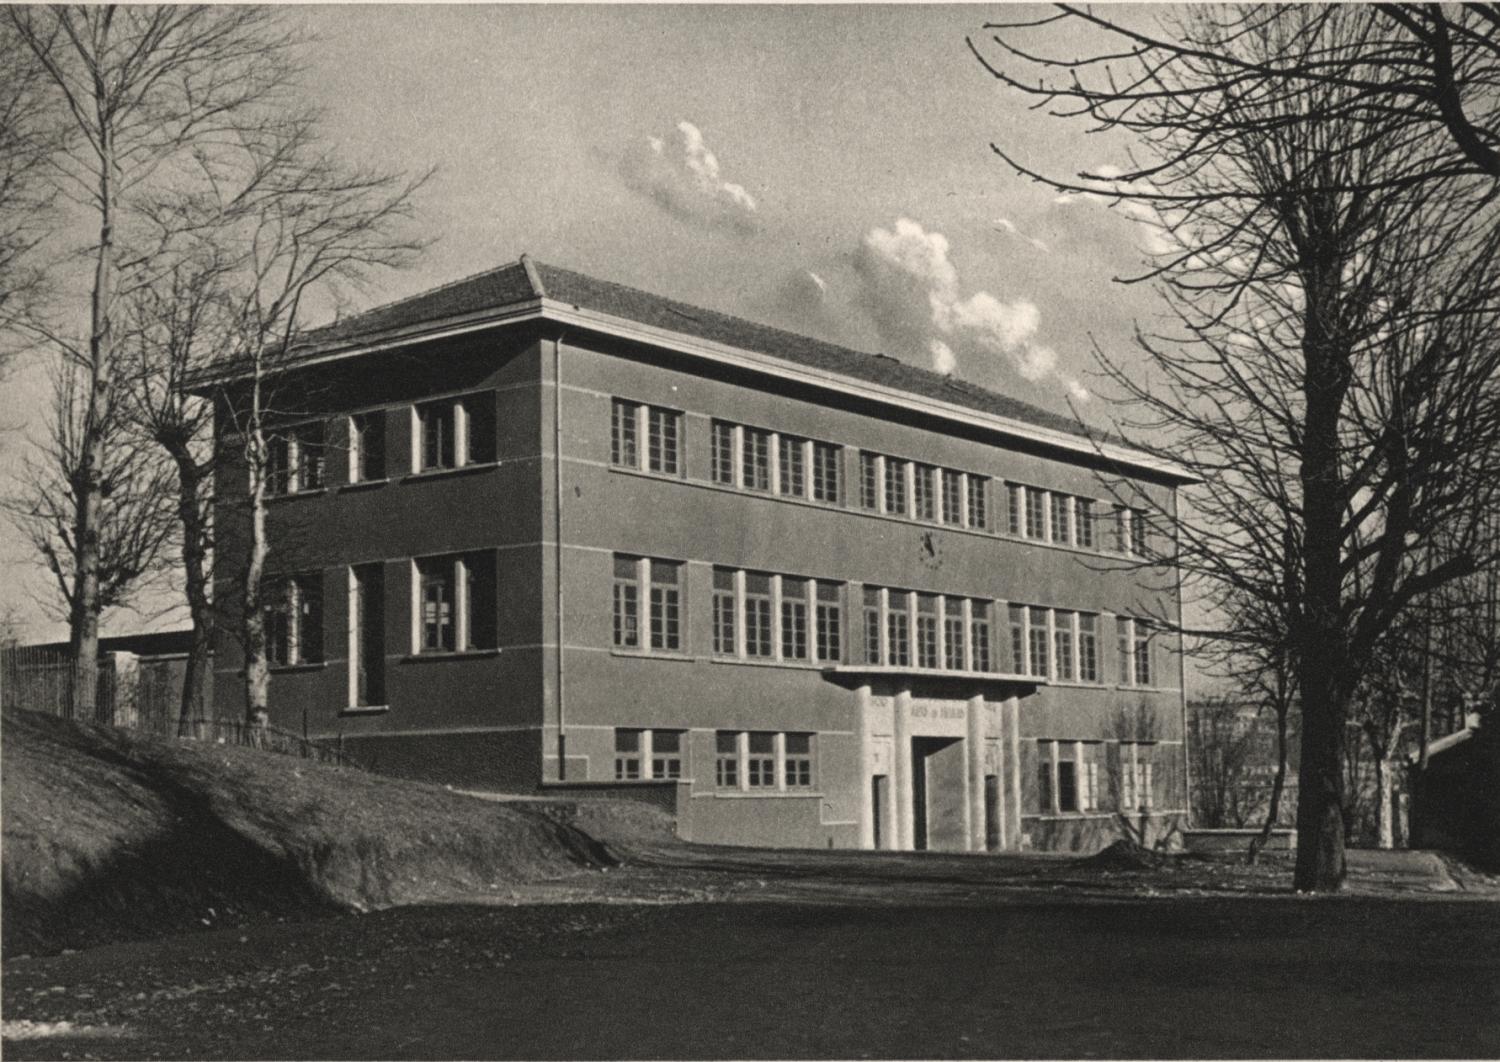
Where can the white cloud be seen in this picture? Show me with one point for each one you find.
(818, 282)
(943, 358)
(1079, 392)
(911, 290)
(684, 177)
(1153, 226)
(1008, 227)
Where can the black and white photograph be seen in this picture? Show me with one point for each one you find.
(750, 531)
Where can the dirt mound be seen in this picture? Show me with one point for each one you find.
(1123, 855)
(111, 836)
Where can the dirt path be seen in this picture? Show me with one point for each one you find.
(710, 953)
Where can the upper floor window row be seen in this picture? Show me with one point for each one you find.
(1054, 643)
(1068, 520)
(763, 616)
(898, 487)
(903, 628)
(776, 463)
(645, 437)
(444, 433)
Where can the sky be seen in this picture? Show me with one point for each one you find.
(825, 169)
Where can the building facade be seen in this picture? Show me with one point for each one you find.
(534, 531)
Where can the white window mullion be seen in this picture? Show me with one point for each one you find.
(807, 469)
(880, 486)
(414, 424)
(942, 628)
(461, 434)
(1080, 779)
(1056, 796)
(742, 753)
(909, 481)
(780, 746)
(355, 653)
(885, 626)
(737, 454)
(739, 614)
(773, 450)
(356, 444)
(643, 599)
(460, 605)
(776, 617)
(416, 607)
(646, 772)
(968, 621)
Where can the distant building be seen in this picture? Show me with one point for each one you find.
(1455, 802)
(535, 531)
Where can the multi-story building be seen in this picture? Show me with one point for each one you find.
(536, 531)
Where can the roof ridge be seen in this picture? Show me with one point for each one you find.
(949, 379)
(532, 275)
(522, 261)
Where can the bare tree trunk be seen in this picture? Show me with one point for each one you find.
(253, 620)
(1278, 785)
(1386, 794)
(192, 516)
(83, 620)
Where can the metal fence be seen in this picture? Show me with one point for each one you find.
(142, 694)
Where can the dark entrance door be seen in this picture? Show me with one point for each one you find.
(991, 813)
(879, 784)
(937, 767)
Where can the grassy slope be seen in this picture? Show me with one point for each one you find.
(110, 836)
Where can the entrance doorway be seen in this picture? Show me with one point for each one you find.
(937, 767)
(879, 785)
(991, 813)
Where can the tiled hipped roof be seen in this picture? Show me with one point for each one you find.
(528, 280)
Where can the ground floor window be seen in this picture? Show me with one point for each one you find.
(636, 747)
(294, 620)
(763, 759)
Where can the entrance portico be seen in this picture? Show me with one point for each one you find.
(940, 757)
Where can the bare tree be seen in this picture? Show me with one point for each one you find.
(132, 528)
(143, 89)
(1222, 748)
(1334, 376)
(316, 226)
(29, 135)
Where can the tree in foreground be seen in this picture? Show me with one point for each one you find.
(1332, 369)
(140, 91)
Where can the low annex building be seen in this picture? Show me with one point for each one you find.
(535, 531)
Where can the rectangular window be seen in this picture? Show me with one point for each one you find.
(1084, 509)
(278, 477)
(367, 446)
(727, 759)
(1088, 647)
(722, 452)
(760, 770)
(724, 612)
(478, 428)
(1067, 786)
(1062, 512)
(367, 629)
(666, 605)
(437, 423)
(438, 599)
(627, 603)
(279, 612)
(758, 614)
(1044, 779)
(869, 481)
(827, 483)
(1015, 508)
(980, 628)
(952, 494)
(830, 624)
(799, 761)
(953, 634)
(1142, 646)
(1137, 532)
(666, 754)
(663, 440)
(756, 459)
(895, 486)
(309, 440)
(927, 631)
(1038, 663)
(793, 619)
(623, 425)
(1123, 649)
(1063, 644)
(627, 755)
(1036, 501)
(793, 469)
(979, 502)
(924, 491)
(872, 625)
(1120, 528)
(898, 631)
(456, 603)
(1018, 639)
